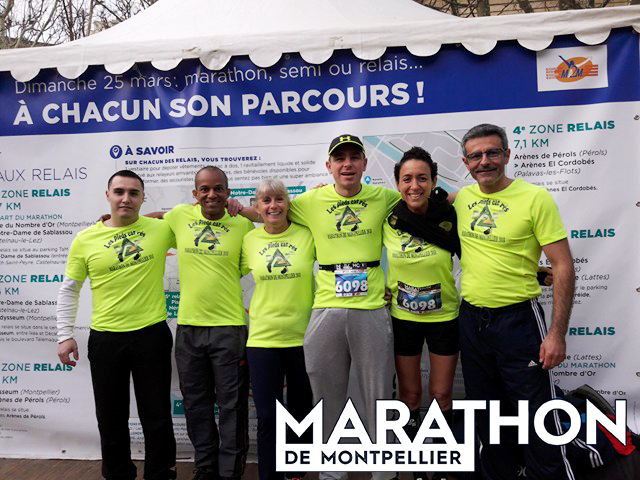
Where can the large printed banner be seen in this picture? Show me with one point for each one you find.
(570, 113)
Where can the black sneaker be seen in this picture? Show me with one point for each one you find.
(204, 474)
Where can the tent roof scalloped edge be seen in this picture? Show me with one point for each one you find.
(393, 23)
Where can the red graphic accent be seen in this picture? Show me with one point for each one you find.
(620, 448)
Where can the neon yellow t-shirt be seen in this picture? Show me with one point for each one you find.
(422, 286)
(501, 235)
(282, 266)
(209, 264)
(125, 266)
(346, 230)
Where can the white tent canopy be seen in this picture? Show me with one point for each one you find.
(216, 30)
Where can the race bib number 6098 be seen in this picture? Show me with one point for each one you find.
(351, 283)
(419, 300)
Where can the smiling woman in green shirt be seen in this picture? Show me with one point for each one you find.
(281, 256)
(424, 299)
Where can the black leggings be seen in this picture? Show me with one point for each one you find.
(269, 369)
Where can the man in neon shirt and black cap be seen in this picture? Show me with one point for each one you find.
(349, 337)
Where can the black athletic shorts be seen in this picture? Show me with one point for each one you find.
(409, 337)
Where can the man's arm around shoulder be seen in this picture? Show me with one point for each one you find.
(553, 348)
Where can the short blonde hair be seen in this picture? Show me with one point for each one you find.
(272, 186)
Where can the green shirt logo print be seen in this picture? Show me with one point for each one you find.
(278, 260)
(413, 242)
(207, 235)
(484, 219)
(349, 218)
(128, 248)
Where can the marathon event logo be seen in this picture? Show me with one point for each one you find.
(405, 455)
(412, 247)
(127, 249)
(348, 218)
(483, 220)
(206, 238)
(572, 68)
(416, 243)
(346, 215)
(278, 260)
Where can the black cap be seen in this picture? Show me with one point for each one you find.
(346, 139)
